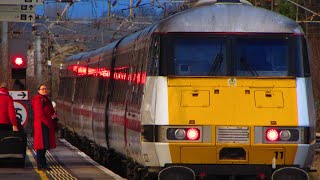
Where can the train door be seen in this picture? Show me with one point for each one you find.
(133, 102)
(68, 102)
(87, 105)
(117, 104)
(129, 96)
(100, 124)
(78, 104)
(65, 94)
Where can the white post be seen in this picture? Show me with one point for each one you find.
(38, 66)
(4, 51)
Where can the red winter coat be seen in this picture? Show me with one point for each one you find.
(7, 111)
(43, 123)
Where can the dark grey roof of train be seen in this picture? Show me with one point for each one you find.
(75, 57)
(228, 17)
(84, 55)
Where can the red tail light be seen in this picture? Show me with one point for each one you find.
(272, 135)
(193, 134)
(186, 134)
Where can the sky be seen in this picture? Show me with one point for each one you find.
(91, 9)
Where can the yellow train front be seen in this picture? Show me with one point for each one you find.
(236, 125)
(233, 97)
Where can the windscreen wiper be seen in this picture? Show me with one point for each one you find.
(217, 64)
(243, 61)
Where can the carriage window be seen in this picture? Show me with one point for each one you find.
(262, 57)
(198, 56)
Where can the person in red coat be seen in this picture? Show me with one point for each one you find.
(8, 118)
(44, 126)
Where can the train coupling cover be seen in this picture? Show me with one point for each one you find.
(177, 173)
(292, 173)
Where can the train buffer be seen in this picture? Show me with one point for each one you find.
(65, 161)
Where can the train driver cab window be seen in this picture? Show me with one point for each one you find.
(262, 57)
(198, 56)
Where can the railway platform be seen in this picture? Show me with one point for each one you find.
(66, 163)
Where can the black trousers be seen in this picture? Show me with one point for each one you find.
(41, 153)
(41, 158)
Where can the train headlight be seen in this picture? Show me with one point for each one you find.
(180, 134)
(285, 135)
(272, 135)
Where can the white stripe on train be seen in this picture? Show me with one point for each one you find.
(306, 114)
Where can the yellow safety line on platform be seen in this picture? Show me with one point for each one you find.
(32, 160)
(57, 172)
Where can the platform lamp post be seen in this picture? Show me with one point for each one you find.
(38, 67)
(45, 48)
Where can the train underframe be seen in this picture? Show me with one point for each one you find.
(232, 172)
(108, 158)
(133, 171)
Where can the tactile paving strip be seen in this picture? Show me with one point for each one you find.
(57, 171)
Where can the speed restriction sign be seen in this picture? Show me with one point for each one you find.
(21, 112)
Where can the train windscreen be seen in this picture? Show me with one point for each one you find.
(234, 55)
(199, 57)
(261, 57)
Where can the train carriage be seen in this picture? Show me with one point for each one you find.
(224, 85)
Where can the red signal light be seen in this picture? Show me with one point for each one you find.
(18, 62)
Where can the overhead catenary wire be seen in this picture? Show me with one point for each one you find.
(133, 18)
